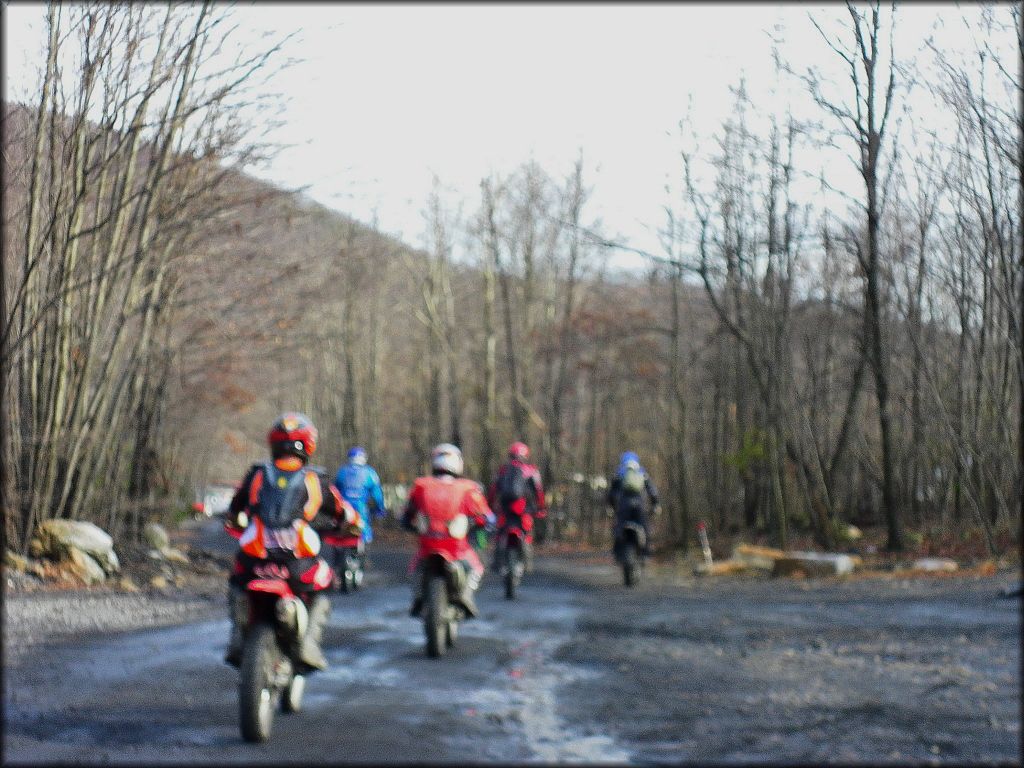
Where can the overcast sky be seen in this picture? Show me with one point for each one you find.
(389, 94)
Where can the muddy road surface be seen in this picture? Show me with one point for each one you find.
(577, 669)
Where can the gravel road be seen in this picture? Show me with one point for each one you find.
(577, 669)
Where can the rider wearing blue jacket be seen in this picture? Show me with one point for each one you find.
(358, 483)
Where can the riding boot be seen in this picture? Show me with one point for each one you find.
(238, 613)
(468, 589)
(468, 602)
(528, 556)
(310, 652)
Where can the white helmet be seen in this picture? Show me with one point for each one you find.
(446, 458)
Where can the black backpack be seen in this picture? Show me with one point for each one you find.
(281, 495)
(512, 484)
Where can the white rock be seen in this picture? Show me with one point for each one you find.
(57, 537)
(85, 566)
(156, 536)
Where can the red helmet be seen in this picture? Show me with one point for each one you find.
(519, 451)
(292, 434)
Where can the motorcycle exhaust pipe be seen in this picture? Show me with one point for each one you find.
(291, 612)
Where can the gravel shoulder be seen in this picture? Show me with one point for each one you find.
(37, 613)
(32, 620)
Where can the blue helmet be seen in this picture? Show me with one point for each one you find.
(357, 455)
(629, 456)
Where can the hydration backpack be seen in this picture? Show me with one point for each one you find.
(633, 481)
(280, 498)
(512, 484)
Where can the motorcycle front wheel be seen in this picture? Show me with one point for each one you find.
(435, 616)
(256, 692)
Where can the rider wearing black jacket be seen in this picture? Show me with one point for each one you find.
(285, 495)
(629, 499)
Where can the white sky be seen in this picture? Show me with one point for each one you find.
(388, 94)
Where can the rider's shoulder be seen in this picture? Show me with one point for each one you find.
(469, 485)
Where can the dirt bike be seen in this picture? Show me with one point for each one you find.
(630, 544)
(441, 578)
(348, 558)
(271, 675)
(511, 560)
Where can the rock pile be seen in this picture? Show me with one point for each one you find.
(85, 549)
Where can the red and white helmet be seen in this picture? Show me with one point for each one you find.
(446, 458)
(292, 434)
(519, 451)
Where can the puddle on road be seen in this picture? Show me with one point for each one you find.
(529, 702)
(516, 704)
(348, 667)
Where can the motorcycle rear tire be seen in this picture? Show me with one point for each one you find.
(511, 572)
(256, 694)
(630, 564)
(435, 617)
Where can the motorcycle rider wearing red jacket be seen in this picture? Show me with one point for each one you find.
(442, 496)
(516, 492)
(286, 501)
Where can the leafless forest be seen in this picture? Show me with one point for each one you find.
(780, 365)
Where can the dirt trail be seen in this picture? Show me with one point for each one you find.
(578, 669)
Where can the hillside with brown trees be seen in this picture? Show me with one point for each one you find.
(779, 368)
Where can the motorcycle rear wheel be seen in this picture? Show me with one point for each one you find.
(630, 564)
(256, 693)
(511, 572)
(435, 617)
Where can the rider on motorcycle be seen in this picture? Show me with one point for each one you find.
(442, 496)
(284, 493)
(518, 493)
(628, 495)
(358, 484)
